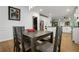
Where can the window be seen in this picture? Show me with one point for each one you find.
(67, 23)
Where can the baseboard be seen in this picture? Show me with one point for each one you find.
(76, 42)
(5, 40)
(66, 33)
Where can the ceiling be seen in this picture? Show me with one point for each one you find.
(55, 11)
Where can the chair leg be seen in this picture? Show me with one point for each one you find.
(59, 48)
(14, 48)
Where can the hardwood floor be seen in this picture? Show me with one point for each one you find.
(66, 45)
(6, 46)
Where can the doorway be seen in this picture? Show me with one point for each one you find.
(42, 25)
(35, 23)
(78, 24)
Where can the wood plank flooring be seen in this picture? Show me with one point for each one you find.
(6, 46)
(66, 45)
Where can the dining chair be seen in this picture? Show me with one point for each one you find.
(21, 43)
(52, 47)
(58, 38)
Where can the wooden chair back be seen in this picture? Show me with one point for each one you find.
(17, 33)
(58, 37)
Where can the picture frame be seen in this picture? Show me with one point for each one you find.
(14, 13)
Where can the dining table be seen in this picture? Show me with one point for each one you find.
(37, 35)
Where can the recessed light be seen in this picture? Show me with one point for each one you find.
(68, 10)
(41, 9)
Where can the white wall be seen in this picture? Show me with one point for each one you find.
(61, 23)
(6, 25)
(36, 15)
(52, 29)
(46, 21)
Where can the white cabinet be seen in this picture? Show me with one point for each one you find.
(66, 29)
(75, 35)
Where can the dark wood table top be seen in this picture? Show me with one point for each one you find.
(34, 36)
(37, 33)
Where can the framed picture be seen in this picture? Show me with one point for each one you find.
(14, 13)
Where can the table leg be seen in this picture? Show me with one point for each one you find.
(51, 38)
(33, 45)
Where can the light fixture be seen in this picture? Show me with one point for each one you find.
(41, 9)
(30, 7)
(68, 10)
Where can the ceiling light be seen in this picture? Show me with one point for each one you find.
(68, 10)
(30, 7)
(41, 9)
